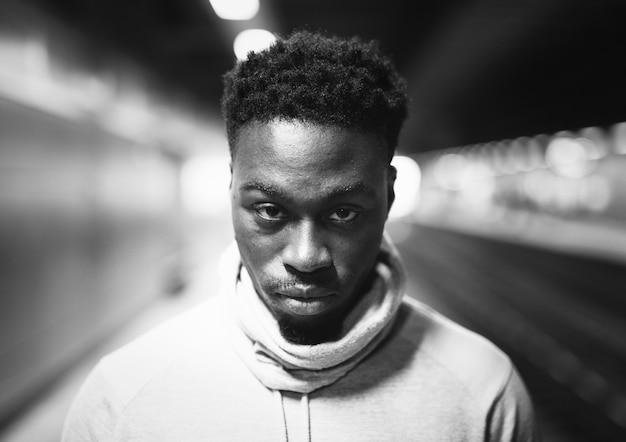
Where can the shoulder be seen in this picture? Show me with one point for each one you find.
(467, 357)
(121, 375)
(490, 381)
(131, 367)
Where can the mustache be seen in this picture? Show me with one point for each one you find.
(327, 281)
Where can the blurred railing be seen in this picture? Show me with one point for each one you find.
(565, 190)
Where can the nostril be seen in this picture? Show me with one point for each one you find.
(305, 274)
(306, 250)
(307, 255)
(308, 264)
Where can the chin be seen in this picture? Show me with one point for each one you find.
(311, 332)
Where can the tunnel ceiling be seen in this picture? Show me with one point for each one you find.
(477, 70)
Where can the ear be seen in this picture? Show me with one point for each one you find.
(230, 184)
(392, 173)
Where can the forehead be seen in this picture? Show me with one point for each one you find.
(304, 151)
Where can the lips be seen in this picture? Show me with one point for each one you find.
(309, 301)
(305, 292)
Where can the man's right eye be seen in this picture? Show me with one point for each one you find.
(270, 212)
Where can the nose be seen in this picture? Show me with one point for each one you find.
(306, 251)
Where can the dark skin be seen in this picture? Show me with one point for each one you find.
(309, 205)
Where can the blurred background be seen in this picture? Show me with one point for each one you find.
(511, 209)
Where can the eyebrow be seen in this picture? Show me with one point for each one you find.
(337, 192)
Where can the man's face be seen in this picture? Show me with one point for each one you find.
(309, 204)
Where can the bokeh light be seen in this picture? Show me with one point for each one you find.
(252, 40)
(407, 186)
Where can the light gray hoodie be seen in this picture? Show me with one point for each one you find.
(429, 380)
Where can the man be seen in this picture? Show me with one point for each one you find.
(312, 336)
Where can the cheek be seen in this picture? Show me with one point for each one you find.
(356, 255)
(258, 251)
(244, 235)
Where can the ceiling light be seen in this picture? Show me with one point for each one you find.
(252, 40)
(235, 9)
(406, 187)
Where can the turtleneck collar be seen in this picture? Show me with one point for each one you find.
(282, 365)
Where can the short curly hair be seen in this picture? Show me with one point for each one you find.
(345, 82)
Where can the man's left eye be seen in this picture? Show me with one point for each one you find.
(343, 215)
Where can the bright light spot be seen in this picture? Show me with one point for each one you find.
(252, 40)
(535, 154)
(448, 171)
(235, 9)
(537, 187)
(129, 115)
(570, 157)
(478, 186)
(597, 142)
(204, 185)
(564, 194)
(509, 161)
(519, 152)
(502, 159)
(406, 187)
(595, 193)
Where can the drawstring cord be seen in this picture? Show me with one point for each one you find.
(307, 413)
(279, 395)
(304, 402)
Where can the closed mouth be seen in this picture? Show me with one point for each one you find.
(306, 293)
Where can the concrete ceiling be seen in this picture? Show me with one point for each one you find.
(478, 70)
